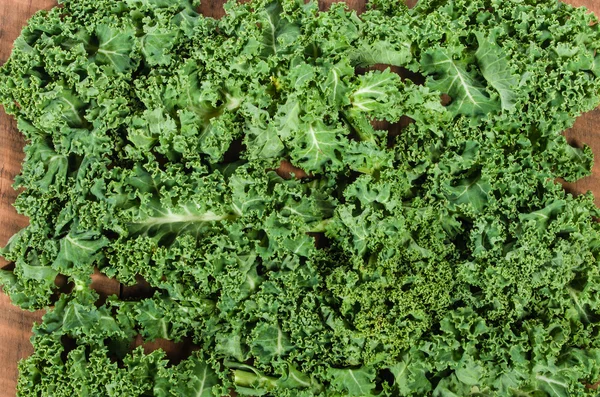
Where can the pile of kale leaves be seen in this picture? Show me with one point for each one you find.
(441, 259)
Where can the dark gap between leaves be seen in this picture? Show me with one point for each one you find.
(595, 386)
(64, 286)
(104, 286)
(393, 129)
(445, 99)
(404, 73)
(139, 291)
(321, 240)
(287, 170)
(69, 344)
(234, 151)
(385, 376)
(175, 352)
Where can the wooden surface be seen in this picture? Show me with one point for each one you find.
(15, 324)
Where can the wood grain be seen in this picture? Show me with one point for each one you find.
(592, 5)
(15, 324)
(15, 331)
(13, 15)
(585, 132)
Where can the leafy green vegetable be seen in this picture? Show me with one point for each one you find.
(442, 260)
(468, 95)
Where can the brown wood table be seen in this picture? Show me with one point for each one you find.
(15, 324)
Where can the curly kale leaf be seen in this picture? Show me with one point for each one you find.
(304, 204)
